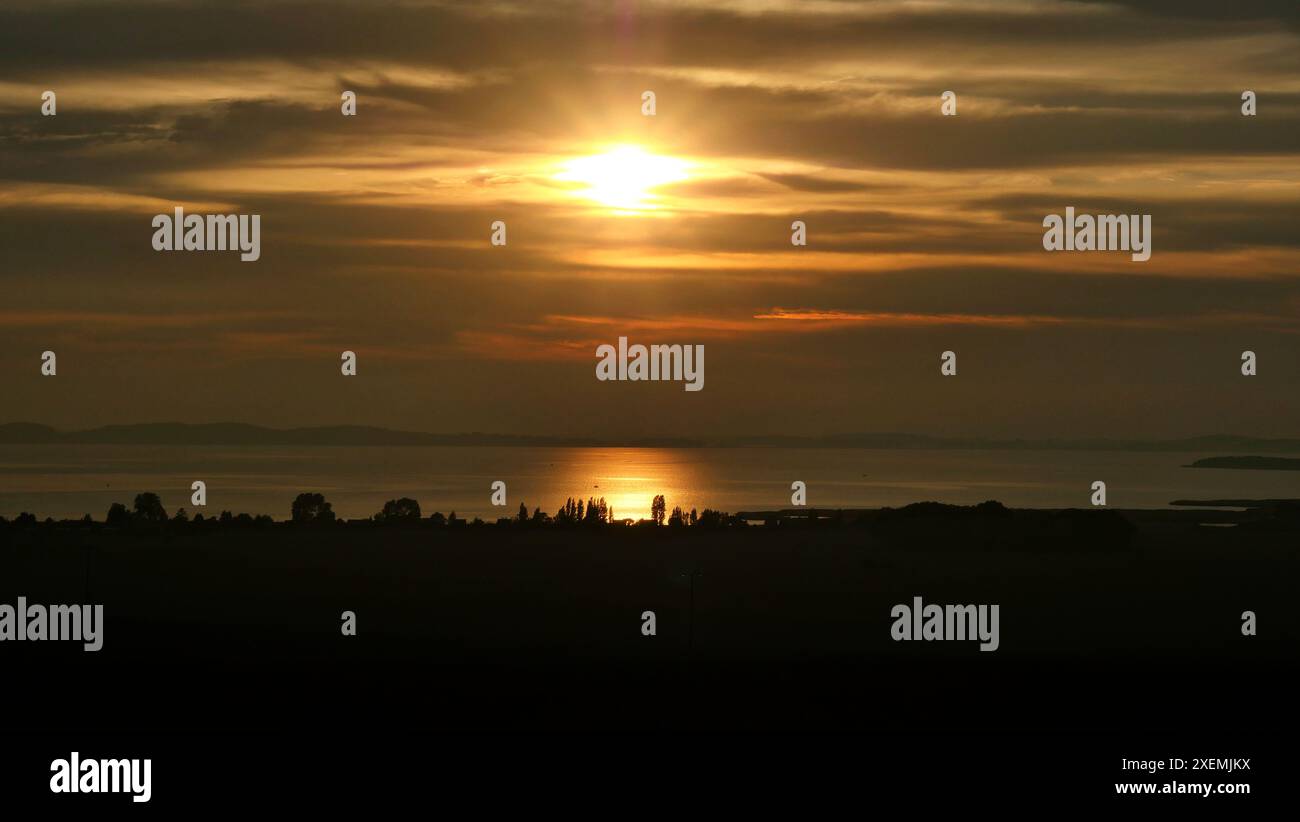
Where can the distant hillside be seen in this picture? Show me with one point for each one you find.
(175, 433)
(1250, 463)
(904, 441)
(230, 433)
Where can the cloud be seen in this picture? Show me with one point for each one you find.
(922, 229)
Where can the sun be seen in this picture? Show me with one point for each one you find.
(623, 177)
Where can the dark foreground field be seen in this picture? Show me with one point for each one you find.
(1102, 628)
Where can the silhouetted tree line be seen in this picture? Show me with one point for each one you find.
(594, 512)
(918, 523)
(312, 509)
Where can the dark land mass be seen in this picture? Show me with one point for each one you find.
(173, 433)
(1250, 463)
(1237, 503)
(226, 433)
(1110, 621)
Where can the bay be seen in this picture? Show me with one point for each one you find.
(67, 481)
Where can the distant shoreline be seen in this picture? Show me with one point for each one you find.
(148, 514)
(1249, 463)
(241, 434)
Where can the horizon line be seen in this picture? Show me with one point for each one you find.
(165, 433)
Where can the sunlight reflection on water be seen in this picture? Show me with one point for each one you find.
(67, 481)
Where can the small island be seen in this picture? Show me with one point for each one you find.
(1251, 463)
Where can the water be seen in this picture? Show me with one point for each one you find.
(66, 481)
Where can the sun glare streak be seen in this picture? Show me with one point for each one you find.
(623, 178)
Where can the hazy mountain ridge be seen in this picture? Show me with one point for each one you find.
(174, 433)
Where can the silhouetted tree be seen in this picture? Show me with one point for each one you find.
(149, 508)
(711, 519)
(311, 508)
(400, 510)
(437, 520)
(118, 515)
(677, 519)
(597, 510)
(181, 516)
(568, 513)
(657, 507)
(523, 513)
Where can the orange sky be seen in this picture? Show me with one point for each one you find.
(924, 231)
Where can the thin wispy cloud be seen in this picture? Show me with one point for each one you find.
(924, 232)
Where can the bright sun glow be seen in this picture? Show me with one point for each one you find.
(622, 178)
